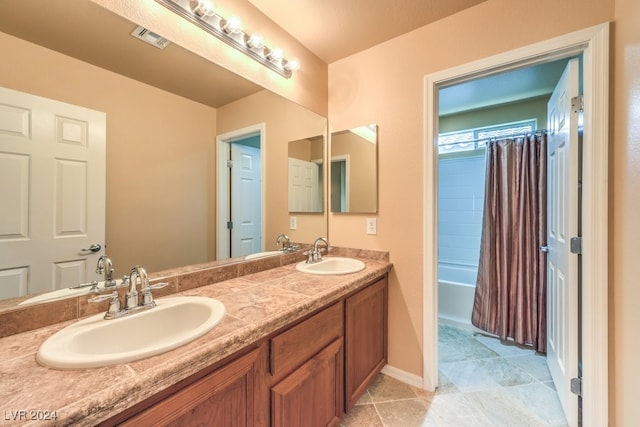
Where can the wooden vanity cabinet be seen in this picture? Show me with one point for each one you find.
(313, 394)
(307, 375)
(235, 394)
(307, 371)
(365, 339)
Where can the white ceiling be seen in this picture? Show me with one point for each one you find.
(334, 29)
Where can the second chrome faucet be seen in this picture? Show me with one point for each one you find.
(315, 254)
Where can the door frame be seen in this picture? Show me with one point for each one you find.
(223, 195)
(346, 159)
(593, 44)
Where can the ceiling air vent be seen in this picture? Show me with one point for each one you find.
(150, 37)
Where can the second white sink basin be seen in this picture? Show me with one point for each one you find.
(94, 342)
(332, 265)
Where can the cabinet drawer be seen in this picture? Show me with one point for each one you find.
(297, 345)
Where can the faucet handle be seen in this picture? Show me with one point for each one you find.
(100, 298)
(114, 303)
(147, 297)
(158, 285)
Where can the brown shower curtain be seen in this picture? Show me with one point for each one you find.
(511, 289)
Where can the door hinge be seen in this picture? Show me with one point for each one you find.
(576, 386)
(229, 163)
(576, 245)
(577, 104)
(229, 225)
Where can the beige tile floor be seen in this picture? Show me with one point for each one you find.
(482, 383)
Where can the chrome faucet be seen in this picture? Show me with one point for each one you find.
(132, 300)
(315, 254)
(105, 266)
(286, 243)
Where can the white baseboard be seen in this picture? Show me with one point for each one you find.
(405, 377)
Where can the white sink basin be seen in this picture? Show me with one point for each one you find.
(94, 342)
(332, 265)
(262, 254)
(65, 293)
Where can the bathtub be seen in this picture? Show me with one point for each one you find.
(456, 290)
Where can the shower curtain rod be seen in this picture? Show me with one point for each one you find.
(492, 138)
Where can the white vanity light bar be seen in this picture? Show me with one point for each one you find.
(205, 17)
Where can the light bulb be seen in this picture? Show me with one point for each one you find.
(275, 55)
(293, 65)
(232, 25)
(255, 42)
(202, 8)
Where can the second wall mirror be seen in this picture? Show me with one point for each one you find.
(354, 170)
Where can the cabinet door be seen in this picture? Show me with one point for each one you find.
(312, 395)
(365, 339)
(234, 395)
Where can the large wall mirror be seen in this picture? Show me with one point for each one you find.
(306, 175)
(166, 111)
(354, 170)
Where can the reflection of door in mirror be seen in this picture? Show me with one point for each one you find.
(339, 183)
(239, 210)
(354, 170)
(305, 174)
(57, 149)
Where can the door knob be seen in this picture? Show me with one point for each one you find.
(544, 249)
(93, 248)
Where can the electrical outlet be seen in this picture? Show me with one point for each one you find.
(293, 222)
(372, 226)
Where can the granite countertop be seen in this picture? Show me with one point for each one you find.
(257, 305)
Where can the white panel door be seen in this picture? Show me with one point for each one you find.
(562, 225)
(304, 186)
(246, 200)
(52, 188)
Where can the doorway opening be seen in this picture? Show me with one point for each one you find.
(592, 43)
(240, 205)
(474, 115)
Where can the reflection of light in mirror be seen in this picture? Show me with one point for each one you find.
(366, 132)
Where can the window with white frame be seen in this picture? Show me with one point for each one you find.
(475, 139)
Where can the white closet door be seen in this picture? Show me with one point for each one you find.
(52, 187)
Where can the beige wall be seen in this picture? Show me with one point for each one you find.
(385, 85)
(307, 87)
(624, 228)
(284, 121)
(157, 154)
